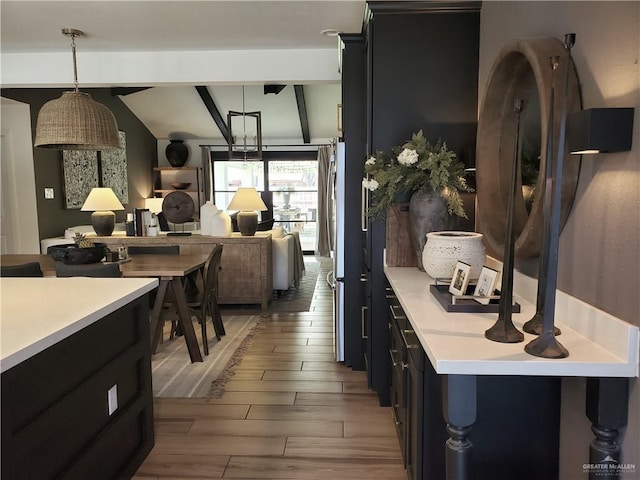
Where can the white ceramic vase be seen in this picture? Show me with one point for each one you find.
(213, 221)
(444, 249)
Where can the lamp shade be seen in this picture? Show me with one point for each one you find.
(153, 204)
(76, 122)
(247, 199)
(101, 198)
(600, 130)
(101, 201)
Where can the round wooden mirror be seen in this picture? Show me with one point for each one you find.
(522, 70)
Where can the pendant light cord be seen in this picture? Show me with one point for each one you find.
(75, 64)
(73, 33)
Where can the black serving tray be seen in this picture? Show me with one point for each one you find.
(466, 305)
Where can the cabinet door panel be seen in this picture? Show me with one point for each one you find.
(397, 356)
(240, 271)
(414, 448)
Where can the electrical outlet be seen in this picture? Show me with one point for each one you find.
(48, 193)
(112, 399)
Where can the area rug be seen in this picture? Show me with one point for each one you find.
(216, 389)
(292, 300)
(173, 374)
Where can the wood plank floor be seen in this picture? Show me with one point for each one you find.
(290, 412)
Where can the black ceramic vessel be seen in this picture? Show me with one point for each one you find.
(72, 255)
(177, 153)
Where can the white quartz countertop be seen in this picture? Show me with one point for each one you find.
(599, 344)
(36, 313)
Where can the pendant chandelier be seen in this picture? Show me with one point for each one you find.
(245, 150)
(75, 121)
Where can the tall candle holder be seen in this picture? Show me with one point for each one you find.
(534, 326)
(547, 345)
(504, 331)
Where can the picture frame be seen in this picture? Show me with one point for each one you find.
(460, 278)
(486, 285)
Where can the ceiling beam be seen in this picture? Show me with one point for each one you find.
(302, 113)
(214, 112)
(273, 89)
(123, 91)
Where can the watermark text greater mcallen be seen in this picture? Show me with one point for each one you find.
(607, 466)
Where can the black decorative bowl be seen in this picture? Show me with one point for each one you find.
(72, 255)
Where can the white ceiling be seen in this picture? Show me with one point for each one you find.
(165, 38)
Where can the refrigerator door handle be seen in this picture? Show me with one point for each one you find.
(364, 200)
(331, 280)
(363, 327)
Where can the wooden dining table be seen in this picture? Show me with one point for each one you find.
(170, 271)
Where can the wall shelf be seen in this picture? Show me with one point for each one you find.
(164, 176)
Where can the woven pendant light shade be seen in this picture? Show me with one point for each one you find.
(75, 121)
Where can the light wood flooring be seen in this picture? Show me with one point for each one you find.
(290, 412)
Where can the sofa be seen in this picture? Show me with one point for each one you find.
(285, 247)
(286, 251)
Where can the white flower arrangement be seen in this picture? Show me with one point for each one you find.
(408, 156)
(370, 184)
(417, 166)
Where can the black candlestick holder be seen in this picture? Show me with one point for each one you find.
(534, 326)
(547, 345)
(504, 331)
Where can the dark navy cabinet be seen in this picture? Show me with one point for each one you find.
(416, 400)
(414, 66)
(55, 423)
(515, 432)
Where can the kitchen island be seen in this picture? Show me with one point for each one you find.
(455, 392)
(76, 377)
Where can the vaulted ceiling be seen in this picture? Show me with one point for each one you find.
(176, 46)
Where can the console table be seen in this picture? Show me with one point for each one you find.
(246, 275)
(454, 392)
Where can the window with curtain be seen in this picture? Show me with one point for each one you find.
(287, 181)
(228, 176)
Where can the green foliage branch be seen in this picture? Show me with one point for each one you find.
(416, 166)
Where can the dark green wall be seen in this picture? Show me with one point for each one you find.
(142, 156)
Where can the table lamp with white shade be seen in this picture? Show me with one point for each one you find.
(102, 201)
(154, 204)
(247, 201)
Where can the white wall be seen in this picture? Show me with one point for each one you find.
(19, 226)
(600, 246)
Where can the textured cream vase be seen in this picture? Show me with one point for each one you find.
(444, 249)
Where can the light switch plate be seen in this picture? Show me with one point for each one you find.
(112, 399)
(48, 193)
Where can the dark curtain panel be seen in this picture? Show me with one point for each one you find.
(206, 170)
(324, 239)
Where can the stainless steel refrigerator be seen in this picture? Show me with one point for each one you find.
(336, 228)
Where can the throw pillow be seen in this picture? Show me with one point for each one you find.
(277, 232)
